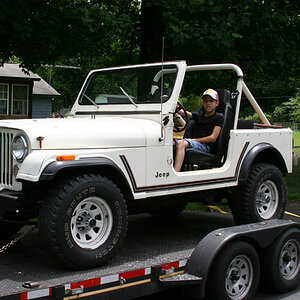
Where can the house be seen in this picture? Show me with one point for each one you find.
(24, 95)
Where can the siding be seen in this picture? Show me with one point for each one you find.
(41, 107)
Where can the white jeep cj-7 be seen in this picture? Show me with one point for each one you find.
(114, 154)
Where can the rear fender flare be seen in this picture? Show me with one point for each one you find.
(273, 156)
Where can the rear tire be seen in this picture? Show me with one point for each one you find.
(263, 197)
(83, 220)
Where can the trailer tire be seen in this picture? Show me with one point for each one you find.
(234, 275)
(83, 220)
(282, 262)
(263, 197)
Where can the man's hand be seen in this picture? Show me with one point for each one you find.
(181, 112)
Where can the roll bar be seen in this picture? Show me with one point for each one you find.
(241, 87)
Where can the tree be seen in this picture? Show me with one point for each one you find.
(89, 34)
(50, 31)
(262, 37)
(152, 30)
(288, 111)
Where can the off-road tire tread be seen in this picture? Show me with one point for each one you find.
(49, 212)
(240, 204)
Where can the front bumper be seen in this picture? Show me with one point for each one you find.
(8, 200)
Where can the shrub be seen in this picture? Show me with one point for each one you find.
(191, 102)
(288, 111)
(256, 117)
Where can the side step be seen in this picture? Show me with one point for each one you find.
(181, 279)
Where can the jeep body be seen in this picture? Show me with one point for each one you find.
(120, 134)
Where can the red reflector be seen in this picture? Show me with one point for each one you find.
(170, 265)
(132, 274)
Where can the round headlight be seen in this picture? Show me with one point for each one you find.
(19, 148)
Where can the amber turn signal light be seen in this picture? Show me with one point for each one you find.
(65, 157)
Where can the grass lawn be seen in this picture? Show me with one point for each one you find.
(296, 136)
(293, 184)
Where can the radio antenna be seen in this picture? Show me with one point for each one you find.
(162, 89)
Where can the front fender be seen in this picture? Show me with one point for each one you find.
(54, 168)
(34, 163)
(43, 166)
(98, 165)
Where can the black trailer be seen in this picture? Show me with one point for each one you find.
(200, 252)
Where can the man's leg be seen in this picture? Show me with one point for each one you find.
(180, 153)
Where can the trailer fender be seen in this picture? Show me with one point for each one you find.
(268, 153)
(260, 235)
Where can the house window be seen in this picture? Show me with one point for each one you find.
(3, 99)
(20, 100)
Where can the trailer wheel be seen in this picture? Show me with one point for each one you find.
(83, 220)
(282, 262)
(234, 275)
(262, 197)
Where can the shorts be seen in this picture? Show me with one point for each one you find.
(199, 146)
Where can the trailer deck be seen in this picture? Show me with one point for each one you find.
(150, 245)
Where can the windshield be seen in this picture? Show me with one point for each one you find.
(129, 86)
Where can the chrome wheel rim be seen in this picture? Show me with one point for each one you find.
(267, 199)
(289, 259)
(239, 277)
(91, 223)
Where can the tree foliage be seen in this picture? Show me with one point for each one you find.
(288, 111)
(50, 31)
(262, 37)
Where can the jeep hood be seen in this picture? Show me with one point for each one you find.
(76, 133)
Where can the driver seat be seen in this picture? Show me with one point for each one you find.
(211, 160)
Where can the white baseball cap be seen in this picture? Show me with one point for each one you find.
(212, 93)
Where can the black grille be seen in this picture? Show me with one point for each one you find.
(6, 161)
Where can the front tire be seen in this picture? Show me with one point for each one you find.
(263, 197)
(83, 220)
(234, 275)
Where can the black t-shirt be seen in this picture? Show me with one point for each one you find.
(206, 125)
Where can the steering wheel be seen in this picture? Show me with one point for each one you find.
(180, 122)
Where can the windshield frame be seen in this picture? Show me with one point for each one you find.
(120, 97)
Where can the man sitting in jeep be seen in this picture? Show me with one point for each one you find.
(208, 127)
